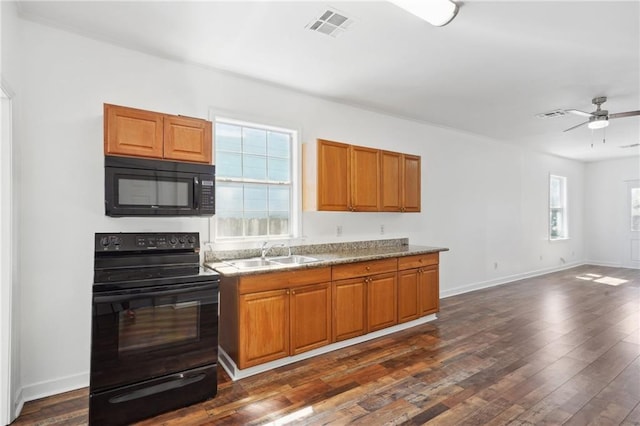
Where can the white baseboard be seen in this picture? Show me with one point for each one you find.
(236, 374)
(18, 403)
(507, 279)
(612, 264)
(56, 386)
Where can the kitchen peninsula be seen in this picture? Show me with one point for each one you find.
(313, 299)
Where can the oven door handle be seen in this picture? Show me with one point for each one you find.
(119, 297)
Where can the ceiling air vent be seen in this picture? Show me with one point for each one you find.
(551, 114)
(331, 22)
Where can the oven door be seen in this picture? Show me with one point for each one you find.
(151, 332)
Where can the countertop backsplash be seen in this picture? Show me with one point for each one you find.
(220, 255)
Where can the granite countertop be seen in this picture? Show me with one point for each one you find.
(328, 255)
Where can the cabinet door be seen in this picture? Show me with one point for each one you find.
(348, 308)
(391, 187)
(381, 301)
(187, 139)
(134, 132)
(310, 317)
(429, 292)
(334, 181)
(411, 183)
(264, 327)
(365, 179)
(408, 302)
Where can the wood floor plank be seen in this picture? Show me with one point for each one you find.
(554, 349)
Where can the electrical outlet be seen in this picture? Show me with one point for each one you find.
(339, 230)
(495, 265)
(381, 229)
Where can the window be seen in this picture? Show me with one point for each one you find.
(254, 191)
(635, 209)
(558, 228)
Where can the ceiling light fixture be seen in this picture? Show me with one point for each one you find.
(599, 122)
(435, 12)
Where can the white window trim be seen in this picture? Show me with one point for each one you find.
(565, 208)
(296, 174)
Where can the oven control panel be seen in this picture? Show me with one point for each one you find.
(132, 241)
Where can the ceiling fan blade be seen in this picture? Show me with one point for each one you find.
(623, 114)
(575, 127)
(578, 112)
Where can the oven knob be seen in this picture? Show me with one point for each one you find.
(183, 240)
(104, 241)
(117, 241)
(192, 239)
(173, 241)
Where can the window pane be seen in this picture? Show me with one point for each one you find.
(254, 141)
(229, 197)
(279, 144)
(555, 192)
(279, 223)
(279, 198)
(556, 223)
(228, 138)
(256, 223)
(635, 209)
(229, 223)
(255, 198)
(228, 165)
(279, 169)
(255, 167)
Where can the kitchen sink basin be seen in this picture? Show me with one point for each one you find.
(293, 260)
(271, 261)
(250, 263)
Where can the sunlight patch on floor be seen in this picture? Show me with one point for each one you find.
(289, 418)
(602, 279)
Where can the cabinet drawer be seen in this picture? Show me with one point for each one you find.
(362, 269)
(281, 280)
(417, 261)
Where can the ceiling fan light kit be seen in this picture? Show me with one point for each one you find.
(597, 119)
(436, 12)
(598, 123)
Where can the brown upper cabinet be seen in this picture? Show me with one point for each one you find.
(348, 177)
(361, 179)
(140, 133)
(400, 182)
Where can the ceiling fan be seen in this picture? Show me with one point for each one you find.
(600, 117)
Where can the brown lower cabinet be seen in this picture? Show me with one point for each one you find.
(273, 315)
(364, 297)
(418, 289)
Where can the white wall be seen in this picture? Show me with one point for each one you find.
(484, 200)
(606, 215)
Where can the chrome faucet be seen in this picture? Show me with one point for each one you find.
(265, 249)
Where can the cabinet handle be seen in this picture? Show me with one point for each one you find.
(293, 292)
(287, 291)
(368, 268)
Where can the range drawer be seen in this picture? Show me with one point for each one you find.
(362, 269)
(417, 261)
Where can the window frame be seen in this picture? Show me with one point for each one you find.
(563, 208)
(295, 199)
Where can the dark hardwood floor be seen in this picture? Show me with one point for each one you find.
(563, 348)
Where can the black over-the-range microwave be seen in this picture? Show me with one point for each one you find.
(147, 187)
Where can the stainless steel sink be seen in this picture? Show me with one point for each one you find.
(293, 260)
(250, 263)
(271, 261)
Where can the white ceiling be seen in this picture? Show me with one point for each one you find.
(490, 71)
